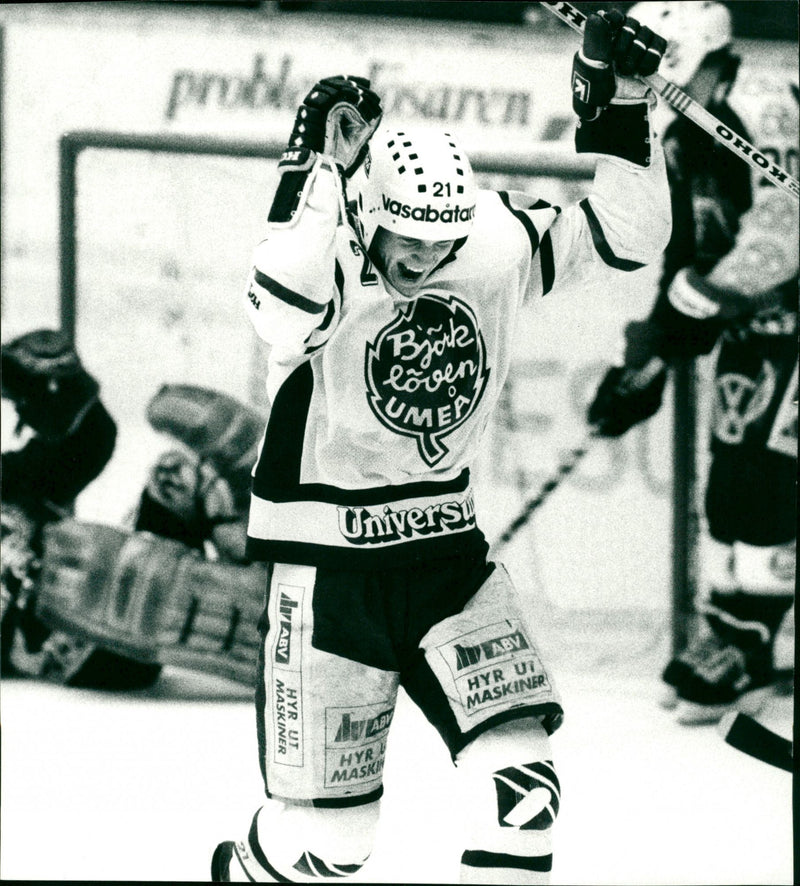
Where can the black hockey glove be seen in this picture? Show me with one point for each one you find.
(626, 397)
(43, 375)
(338, 118)
(613, 44)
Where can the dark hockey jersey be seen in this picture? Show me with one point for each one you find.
(379, 403)
(739, 235)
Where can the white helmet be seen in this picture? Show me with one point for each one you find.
(417, 183)
(692, 30)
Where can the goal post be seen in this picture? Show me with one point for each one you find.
(85, 214)
(73, 144)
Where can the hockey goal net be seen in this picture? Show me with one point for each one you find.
(156, 238)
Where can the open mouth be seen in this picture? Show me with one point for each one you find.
(408, 274)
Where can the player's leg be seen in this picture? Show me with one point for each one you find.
(511, 799)
(738, 670)
(323, 721)
(480, 679)
(298, 844)
(716, 558)
(750, 504)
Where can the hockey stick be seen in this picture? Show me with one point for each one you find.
(638, 380)
(696, 113)
(745, 734)
(567, 466)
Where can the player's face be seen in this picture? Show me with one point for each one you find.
(406, 262)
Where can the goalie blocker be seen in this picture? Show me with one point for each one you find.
(151, 599)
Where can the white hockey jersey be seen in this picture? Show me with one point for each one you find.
(379, 403)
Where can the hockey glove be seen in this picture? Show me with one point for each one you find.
(337, 118)
(625, 397)
(43, 375)
(613, 44)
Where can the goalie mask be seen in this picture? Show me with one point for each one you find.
(418, 184)
(692, 31)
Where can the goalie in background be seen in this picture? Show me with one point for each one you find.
(391, 318)
(67, 438)
(729, 280)
(174, 586)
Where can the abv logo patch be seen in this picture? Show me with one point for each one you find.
(286, 608)
(426, 371)
(466, 656)
(353, 729)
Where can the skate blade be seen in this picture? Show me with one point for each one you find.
(690, 713)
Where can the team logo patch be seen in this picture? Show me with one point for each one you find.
(580, 87)
(426, 371)
(740, 401)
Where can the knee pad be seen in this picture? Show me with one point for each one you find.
(511, 797)
(307, 844)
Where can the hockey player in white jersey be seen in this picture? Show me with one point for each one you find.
(729, 281)
(391, 324)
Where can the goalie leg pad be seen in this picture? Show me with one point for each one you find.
(511, 797)
(151, 599)
(299, 844)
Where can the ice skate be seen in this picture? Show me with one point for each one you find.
(727, 679)
(680, 669)
(221, 862)
(232, 863)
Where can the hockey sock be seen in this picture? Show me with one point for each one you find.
(509, 807)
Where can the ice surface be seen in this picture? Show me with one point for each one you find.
(98, 786)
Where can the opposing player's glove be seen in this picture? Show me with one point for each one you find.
(151, 599)
(613, 45)
(43, 375)
(627, 396)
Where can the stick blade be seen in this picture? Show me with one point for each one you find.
(748, 736)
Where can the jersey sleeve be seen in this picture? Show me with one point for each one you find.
(622, 225)
(765, 254)
(291, 286)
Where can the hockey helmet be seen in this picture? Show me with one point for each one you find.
(692, 31)
(416, 183)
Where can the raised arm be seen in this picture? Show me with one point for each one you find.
(625, 221)
(290, 289)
